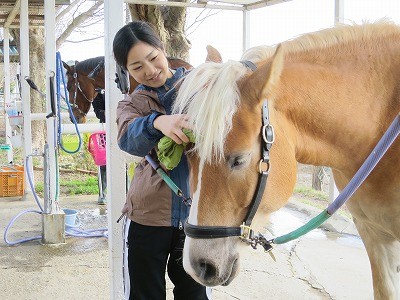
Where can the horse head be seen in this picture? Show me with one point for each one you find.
(224, 104)
(83, 83)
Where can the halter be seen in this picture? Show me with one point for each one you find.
(244, 231)
(76, 89)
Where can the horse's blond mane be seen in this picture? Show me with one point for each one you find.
(340, 34)
(210, 97)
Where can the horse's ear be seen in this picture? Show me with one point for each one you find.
(264, 80)
(213, 55)
(275, 71)
(66, 66)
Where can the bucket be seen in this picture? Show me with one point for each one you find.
(97, 147)
(71, 219)
(70, 142)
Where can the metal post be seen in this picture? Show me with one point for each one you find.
(25, 90)
(114, 17)
(50, 62)
(339, 12)
(246, 30)
(54, 217)
(339, 19)
(7, 91)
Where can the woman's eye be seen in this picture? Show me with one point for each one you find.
(154, 58)
(137, 68)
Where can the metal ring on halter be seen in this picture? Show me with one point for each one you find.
(264, 130)
(264, 167)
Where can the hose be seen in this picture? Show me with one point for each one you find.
(69, 230)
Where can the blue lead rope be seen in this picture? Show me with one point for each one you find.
(60, 77)
(369, 164)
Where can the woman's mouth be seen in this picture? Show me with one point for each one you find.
(155, 77)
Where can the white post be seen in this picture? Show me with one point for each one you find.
(7, 91)
(246, 30)
(339, 12)
(339, 19)
(50, 62)
(116, 186)
(25, 89)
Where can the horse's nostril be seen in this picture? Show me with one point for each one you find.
(208, 270)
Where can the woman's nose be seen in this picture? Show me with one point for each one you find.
(150, 70)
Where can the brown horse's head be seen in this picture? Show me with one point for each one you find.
(82, 89)
(224, 104)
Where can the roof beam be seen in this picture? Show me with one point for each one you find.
(185, 4)
(13, 13)
(264, 3)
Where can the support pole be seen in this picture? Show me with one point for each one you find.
(339, 19)
(25, 90)
(7, 91)
(339, 12)
(246, 30)
(116, 184)
(53, 216)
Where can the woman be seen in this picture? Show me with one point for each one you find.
(156, 237)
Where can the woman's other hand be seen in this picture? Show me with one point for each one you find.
(172, 125)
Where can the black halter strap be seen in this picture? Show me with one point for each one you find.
(244, 231)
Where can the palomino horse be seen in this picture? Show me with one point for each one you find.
(331, 96)
(86, 80)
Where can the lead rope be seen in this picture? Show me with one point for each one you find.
(171, 184)
(366, 168)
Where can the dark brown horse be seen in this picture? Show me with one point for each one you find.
(86, 80)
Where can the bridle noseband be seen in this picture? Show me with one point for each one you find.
(244, 231)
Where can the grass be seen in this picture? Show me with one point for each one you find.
(88, 186)
(311, 193)
(318, 199)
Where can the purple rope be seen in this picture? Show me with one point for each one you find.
(380, 149)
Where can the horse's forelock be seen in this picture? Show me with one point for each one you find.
(210, 97)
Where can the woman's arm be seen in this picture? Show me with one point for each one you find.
(136, 132)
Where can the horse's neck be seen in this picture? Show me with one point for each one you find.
(100, 80)
(335, 120)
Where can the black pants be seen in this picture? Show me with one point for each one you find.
(150, 250)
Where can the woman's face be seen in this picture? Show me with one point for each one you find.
(148, 65)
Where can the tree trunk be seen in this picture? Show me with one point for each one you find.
(170, 25)
(317, 176)
(37, 73)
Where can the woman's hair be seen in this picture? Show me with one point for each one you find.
(129, 35)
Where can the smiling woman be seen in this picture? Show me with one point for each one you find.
(156, 234)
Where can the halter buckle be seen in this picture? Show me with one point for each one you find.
(264, 166)
(268, 133)
(246, 233)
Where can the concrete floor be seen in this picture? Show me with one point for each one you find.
(321, 265)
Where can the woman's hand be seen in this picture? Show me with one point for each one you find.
(171, 126)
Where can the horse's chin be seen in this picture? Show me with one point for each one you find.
(234, 272)
(211, 262)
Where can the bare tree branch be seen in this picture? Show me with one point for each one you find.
(84, 40)
(77, 21)
(66, 10)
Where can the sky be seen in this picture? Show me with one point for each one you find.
(268, 26)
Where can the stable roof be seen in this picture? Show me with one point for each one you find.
(9, 12)
(219, 4)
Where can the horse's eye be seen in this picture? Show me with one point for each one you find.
(238, 161)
